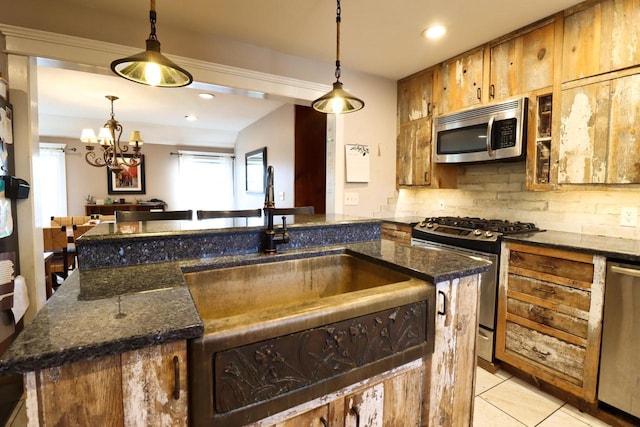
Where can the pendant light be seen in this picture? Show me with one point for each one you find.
(337, 101)
(151, 67)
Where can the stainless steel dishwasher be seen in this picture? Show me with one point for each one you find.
(619, 384)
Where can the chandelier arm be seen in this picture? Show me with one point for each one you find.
(91, 158)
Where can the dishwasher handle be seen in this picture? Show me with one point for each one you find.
(625, 271)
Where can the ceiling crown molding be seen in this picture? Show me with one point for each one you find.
(44, 44)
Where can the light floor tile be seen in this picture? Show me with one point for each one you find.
(487, 415)
(530, 405)
(503, 375)
(585, 418)
(562, 419)
(485, 380)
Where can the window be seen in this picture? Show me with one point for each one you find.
(206, 181)
(50, 176)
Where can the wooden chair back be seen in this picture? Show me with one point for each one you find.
(123, 216)
(246, 213)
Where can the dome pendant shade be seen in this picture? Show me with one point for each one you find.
(152, 68)
(337, 101)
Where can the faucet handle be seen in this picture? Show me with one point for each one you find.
(284, 222)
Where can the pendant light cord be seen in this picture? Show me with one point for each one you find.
(152, 19)
(338, 11)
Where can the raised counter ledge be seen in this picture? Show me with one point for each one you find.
(81, 321)
(610, 247)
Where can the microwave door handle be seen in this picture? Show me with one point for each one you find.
(489, 132)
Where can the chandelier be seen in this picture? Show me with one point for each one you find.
(112, 153)
(338, 100)
(150, 67)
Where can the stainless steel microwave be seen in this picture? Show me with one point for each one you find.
(488, 133)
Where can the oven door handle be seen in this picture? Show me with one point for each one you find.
(442, 303)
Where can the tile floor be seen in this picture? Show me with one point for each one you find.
(501, 401)
(505, 401)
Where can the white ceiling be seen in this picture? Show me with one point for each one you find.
(377, 36)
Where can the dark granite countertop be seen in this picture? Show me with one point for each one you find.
(403, 220)
(97, 312)
(610, 247)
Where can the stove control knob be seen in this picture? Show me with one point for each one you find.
(477, 232)
(429, 225)
(422, 224)
(488, 234)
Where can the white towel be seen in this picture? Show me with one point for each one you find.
(20, 298)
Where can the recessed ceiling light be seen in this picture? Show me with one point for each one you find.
(434, 32)
(191, 118)
(206, 95)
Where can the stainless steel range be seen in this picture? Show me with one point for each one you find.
(477, 237)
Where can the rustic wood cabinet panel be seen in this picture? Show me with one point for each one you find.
(458, 82)
(415, 96)
(394, 401)
(522, 64)
(600, 124)
(550, 315)
(399, 233)
(601, 38)
(130, 389)
(452, 369)
(414, 153)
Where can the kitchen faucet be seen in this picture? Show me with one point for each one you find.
(271, 238)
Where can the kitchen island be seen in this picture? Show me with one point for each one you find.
(118, 327)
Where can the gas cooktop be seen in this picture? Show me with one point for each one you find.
(470, 228)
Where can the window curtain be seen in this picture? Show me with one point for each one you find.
(50, 176)
(206, 181)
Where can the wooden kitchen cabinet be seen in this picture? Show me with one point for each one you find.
(453, 363)
(399, 233)
(140, 387)
(458, 82)
(549, 324)
(414, 153)
(393, 401)
(600, 120)
(522, 64)
(414, 166)
(601, 38)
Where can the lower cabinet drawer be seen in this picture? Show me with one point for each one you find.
(545, 316)
(552, 353)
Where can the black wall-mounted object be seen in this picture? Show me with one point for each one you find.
(15, 188)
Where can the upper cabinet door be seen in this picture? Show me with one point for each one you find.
(459, 81)
(598, 135)
(601, 38)
(522, 64)
(415, 96)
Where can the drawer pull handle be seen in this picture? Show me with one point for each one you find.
(442, 309)
(176, 373)
(356, 411)
(540, 352)
(324, 422)
(550, 266)
(545, 291)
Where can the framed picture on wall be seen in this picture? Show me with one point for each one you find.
(130, 180)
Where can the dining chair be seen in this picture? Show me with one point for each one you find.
(123, 216)
(301, 210)
(244, 213)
